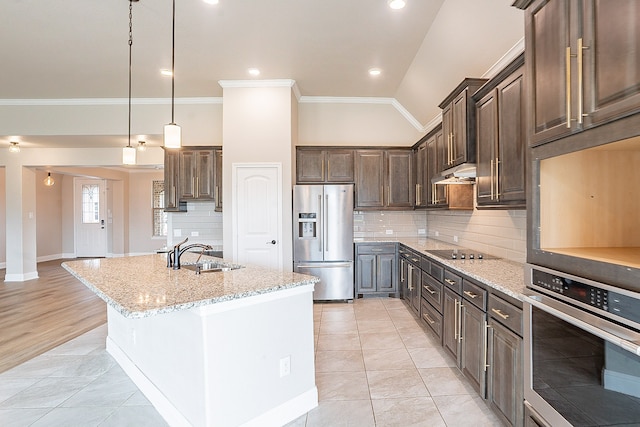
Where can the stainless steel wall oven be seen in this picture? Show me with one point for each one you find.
(582, 350)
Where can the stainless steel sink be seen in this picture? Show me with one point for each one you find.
(210, 267)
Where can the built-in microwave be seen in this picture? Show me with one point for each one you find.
(584, 210)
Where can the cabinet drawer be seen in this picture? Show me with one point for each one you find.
(375, 249)
(453, 281)
(505, 313)
(437, 271)
(475, 294)
(432, 291)
(425, 264)
(432, 318)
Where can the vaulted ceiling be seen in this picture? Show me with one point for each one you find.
(66, 49)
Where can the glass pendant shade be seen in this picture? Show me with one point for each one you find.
(172, 136)
(14, 148)
(128, 155)
(48, 181)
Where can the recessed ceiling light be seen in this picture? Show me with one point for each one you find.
(375, 71)
(166, 72)
(254, 71)
(211, 1)
(396, 4)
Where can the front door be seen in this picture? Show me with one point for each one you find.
(90, 213)
(257, 214)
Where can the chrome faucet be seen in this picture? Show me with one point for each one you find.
(173, 257)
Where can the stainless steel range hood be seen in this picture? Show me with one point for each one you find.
(461, 174)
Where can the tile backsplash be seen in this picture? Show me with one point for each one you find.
(201, 224)
(497, 232)
(389, 224)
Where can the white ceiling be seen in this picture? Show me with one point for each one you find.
(66, 49)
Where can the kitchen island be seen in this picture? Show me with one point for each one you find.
(218, 348)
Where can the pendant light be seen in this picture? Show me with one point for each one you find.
(129, 152)
(49, 181)
(172, 132)
(14, 147)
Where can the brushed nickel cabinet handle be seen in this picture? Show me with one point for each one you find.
(428, 289)
(471, 294)
(581, 48)
(486, 344)
(497, 181)
(449, 281)
(491, 180)
(500, 313)
(426, 317)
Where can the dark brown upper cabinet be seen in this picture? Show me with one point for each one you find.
(458, 124)
(324, 165)
(196, 174)
(501, 139)
(171, 178)
(583, 69)
(384, 179)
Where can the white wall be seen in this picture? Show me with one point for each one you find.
(48, 217)
(140, 214)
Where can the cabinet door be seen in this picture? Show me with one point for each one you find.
(422, 179)
(217, 191)
(473, 346)
(505, 382)
(339, 166)
(510, 162)
(187, 182)
(386, 266)
(487, 131)
(369, 179)
(436, 194)
(547, 37)
(461, 124)
(399, 181)
(205, 165)
(447, 132)
(171, 171)
(309, 166)
(366, 273)
(611, 59)
(416, 281)
(451, 323)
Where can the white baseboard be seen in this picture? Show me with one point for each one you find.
(20, 277)
(622, 383)
(288, 411)
(49, 257)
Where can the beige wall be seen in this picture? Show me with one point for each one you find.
(48, 217)
(3, 219)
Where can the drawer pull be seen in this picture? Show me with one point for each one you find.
(451, 282)
(428, 289)
(500, 313)
(427, 318)
(415, 259)
(471, 294)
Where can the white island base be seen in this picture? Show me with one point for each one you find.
(223, 364)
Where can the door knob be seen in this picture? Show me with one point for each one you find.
(273, 242)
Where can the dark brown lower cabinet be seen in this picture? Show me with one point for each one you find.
(473, 346)
(505, 387)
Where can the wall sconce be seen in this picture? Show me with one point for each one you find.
(48, 181)
(14, 148)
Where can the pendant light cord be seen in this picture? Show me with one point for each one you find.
(130, 48)
(173, 58)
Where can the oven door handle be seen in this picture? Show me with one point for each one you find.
(618, 335)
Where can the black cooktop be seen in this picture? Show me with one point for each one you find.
(460, 253)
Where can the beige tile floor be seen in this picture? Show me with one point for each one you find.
(376, 365)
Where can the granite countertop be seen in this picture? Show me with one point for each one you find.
(500, 274)
(143, 286)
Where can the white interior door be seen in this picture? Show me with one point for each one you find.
(90, 209)
(257, 214)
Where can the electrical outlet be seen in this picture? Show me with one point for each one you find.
(177, 232)
(436, 233)
(389, 231)
(422, 232)
(455, 239)
(285, 366)
(195, 233)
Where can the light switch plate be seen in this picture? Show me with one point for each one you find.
(389, 231)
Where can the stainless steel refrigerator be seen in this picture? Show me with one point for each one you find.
(323, 238)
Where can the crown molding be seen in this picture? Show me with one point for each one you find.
(257, 83)
(506, 59)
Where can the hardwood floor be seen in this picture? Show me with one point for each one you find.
(38, 315)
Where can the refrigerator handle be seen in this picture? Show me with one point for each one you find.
(320, 222)
(326, 221)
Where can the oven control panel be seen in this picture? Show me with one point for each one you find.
(572, 289)
(599, 299)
